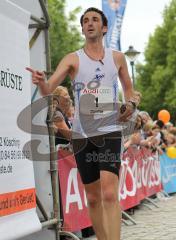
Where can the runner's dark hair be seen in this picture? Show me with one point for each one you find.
(92, 9)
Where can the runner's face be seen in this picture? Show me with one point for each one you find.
(93, 26)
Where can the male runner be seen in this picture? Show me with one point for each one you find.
(96, 137)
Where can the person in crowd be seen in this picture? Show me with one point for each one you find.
(170, 140)
(134, 140)
(169, 126)
(62, 104)
(172, 130)
(145, 117)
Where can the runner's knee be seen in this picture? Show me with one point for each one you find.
(109, 196)
(93, 199)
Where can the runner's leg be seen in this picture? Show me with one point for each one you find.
(94, 198)
(109, 185)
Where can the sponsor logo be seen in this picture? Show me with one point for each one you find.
(99, 77)
(97, 90)
(97, 70)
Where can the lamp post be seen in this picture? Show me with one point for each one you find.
(132, 55)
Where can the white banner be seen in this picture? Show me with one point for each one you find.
(17, 186)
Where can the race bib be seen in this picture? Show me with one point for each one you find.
(98, 101)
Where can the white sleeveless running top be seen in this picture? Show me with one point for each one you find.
(95, 90)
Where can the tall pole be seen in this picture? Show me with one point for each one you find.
(132, 71)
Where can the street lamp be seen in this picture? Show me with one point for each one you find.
(132, 55)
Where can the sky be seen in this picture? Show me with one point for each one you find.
(140, 20)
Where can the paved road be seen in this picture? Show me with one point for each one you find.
(156, 224)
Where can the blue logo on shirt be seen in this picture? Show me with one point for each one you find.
(99, 77)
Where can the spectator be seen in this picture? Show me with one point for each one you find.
(62, 103)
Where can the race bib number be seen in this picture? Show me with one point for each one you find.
(97, 101)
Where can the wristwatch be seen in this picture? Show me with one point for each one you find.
(123, 108)
(133, 104)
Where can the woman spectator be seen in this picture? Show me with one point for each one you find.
(61, 104)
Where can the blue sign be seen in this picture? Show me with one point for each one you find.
(168, 173)
(114, 11)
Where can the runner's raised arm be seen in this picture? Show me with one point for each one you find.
(63, 69)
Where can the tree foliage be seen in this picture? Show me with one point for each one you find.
(156, 79)
(64, 33)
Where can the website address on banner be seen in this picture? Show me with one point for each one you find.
(17, 201)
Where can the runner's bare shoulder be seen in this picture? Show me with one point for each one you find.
(73, 60)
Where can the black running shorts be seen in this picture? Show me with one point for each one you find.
(97, 153)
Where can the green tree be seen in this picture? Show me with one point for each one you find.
(156, 79)
(65, 36)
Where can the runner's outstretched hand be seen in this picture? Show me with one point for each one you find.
(37, 76)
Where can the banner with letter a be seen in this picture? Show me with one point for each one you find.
(17, 187)
(114, 11)
(74, 200)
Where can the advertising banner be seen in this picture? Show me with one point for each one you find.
(17, 187)
(139, 178)
(114, 11)
(73, 194)
(168, 173)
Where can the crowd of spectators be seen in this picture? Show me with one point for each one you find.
(153, 134)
